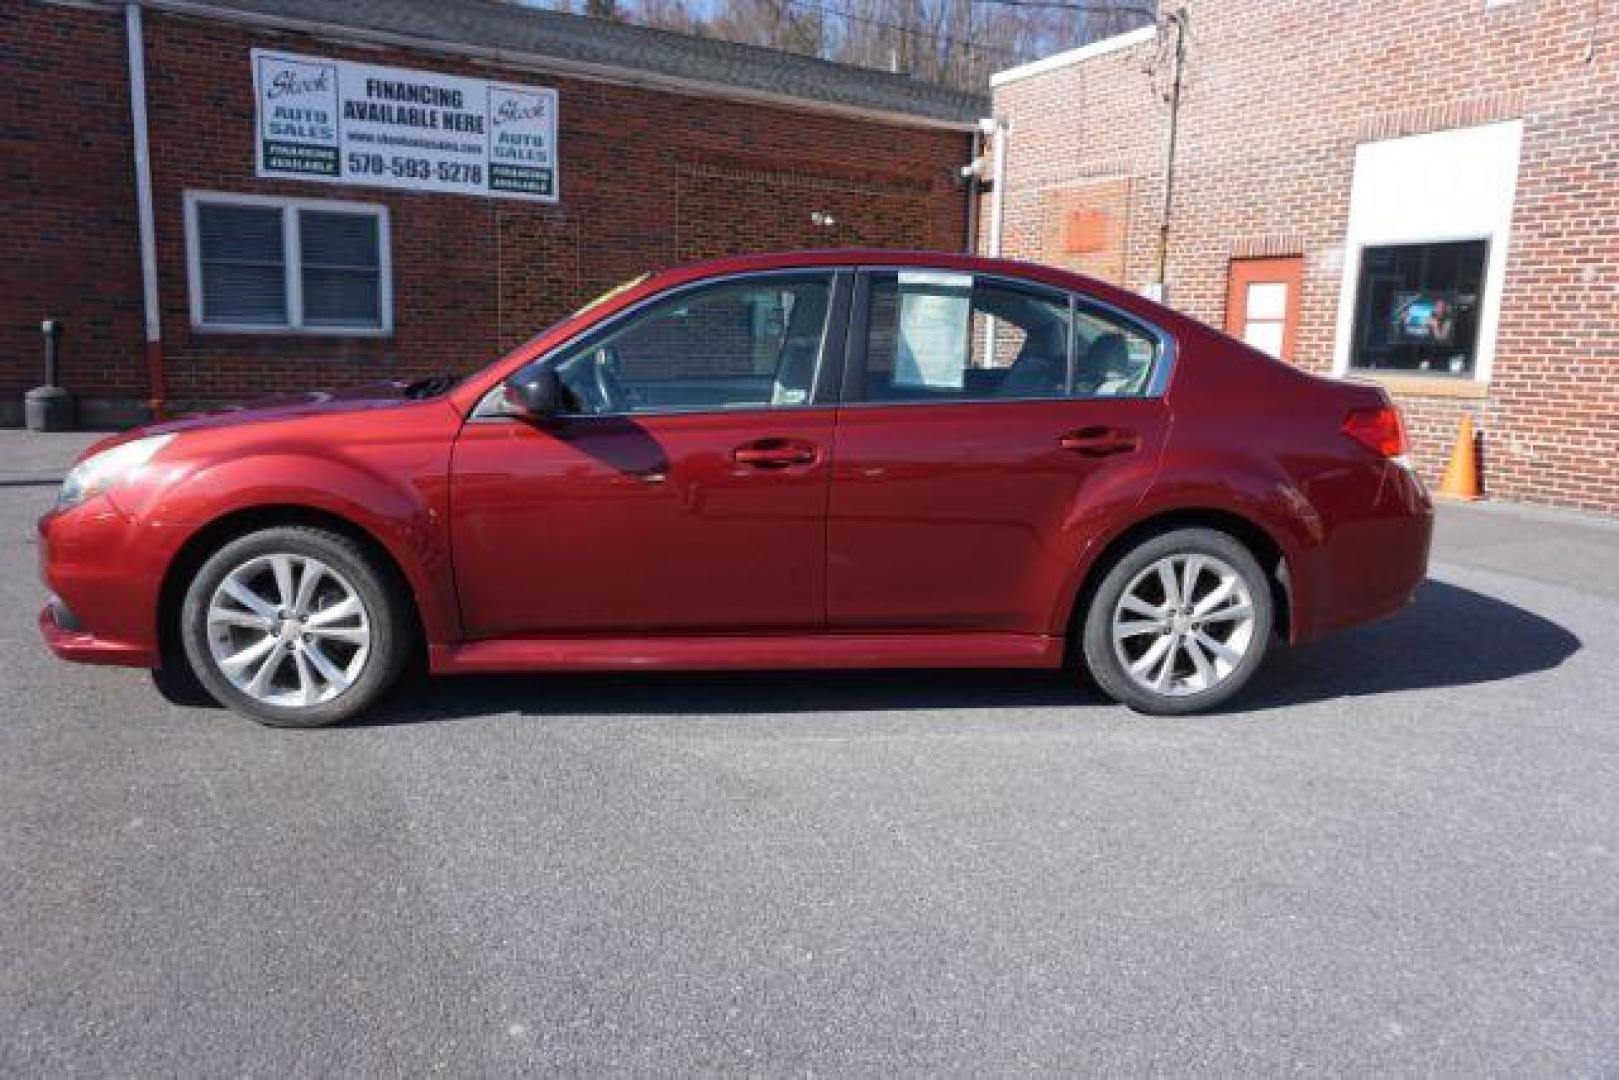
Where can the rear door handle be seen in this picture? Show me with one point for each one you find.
(1100, 441)
(776, 453)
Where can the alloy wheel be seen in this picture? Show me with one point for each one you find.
(288, 630)
(1183, 624)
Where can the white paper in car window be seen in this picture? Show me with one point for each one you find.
(935, 315)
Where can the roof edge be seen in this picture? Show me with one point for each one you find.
(540, 63)
(1075, 56)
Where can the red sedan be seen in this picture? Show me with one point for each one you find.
(817, 460)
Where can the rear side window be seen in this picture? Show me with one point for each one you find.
(1112, 358)
(940, 336)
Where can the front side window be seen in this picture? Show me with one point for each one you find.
(287, 265)
(1417, 308)
(936, 336)
(745, 344)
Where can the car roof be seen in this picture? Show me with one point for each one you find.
(940, 260)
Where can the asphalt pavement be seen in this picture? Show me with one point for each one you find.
(1399, 855)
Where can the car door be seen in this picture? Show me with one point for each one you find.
(991, 429)
(684, 489)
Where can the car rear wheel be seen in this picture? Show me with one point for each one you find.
(1180, 623)
(294, 626)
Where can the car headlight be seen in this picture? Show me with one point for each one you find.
(94, 474)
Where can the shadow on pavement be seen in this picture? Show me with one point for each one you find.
(1449, 636)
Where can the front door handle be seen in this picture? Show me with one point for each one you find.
(1100, 441)
(776, 453)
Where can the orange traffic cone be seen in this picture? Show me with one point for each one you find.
(1461, 475)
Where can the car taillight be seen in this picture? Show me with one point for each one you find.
(1379, 429)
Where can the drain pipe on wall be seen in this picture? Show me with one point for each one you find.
(155, 380)
(970, 174)
(1000, 131)
(1177, 21)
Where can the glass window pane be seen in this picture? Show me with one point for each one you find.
(1417, 307)
(1264, 336)
(942, 337)
(1267, 300)
(241, 260)
(239, 233)
(341, 268)
(1112, 358)
(234, 293)
(745, 344)
(341, 298)
(338, 239)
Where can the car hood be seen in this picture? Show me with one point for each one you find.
(377, 395)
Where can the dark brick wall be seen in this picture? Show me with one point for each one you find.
(67, 230)
(1278, 94)
(648, 179)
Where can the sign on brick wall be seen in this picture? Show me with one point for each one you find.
(347, 123)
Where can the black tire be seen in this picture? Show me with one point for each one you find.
(384, 602)
(1103, 660)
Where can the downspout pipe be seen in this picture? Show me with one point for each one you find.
(156, 380)
(975, 191)
(1000, 131)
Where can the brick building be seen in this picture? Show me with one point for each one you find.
(328, 204)
(1423, 193)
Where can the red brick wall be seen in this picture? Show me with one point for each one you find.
(1278, 93)
(647, 179)
(67, 230)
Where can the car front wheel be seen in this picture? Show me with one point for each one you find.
(294, 626)
(1180, 623)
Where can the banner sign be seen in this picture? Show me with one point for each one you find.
(348, 123)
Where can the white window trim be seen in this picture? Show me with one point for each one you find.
(1494, 227)
(292, 252)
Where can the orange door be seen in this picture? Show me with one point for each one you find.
(1262, 305)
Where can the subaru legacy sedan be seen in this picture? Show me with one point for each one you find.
(835, 460)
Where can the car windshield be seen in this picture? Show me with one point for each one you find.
(589, 306)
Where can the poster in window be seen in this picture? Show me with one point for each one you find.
(1425, 318)
(935, 317)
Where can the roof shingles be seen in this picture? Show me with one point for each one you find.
(519, 29)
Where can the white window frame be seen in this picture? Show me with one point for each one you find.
(1485, 157)
(292, 253)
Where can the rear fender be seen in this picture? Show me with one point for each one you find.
(1265, 499)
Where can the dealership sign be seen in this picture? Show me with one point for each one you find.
(349, 123)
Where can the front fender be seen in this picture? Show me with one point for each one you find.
(397, 496)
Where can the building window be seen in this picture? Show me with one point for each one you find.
(269, 265)
(1262, 303)
(1417, 308)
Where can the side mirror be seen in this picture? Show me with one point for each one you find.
(535, 393)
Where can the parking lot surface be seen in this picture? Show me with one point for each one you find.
(1400, 853)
